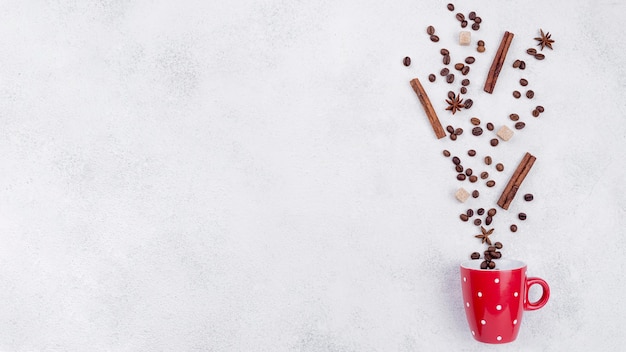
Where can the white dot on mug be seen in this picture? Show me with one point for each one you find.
(515, 294)
(464, 279)
(515, 322)
(480, 294)
(499, 338)
(473, 333)
(498, 307)
(496, 280)
(467, 304)
(483, 322)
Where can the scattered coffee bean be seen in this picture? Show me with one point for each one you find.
(460, 17)
(478, 19)
(492, 212)
(458, 131)
(469, 172)
(488, 220)
(407, 61)
(451, 7)
(514, 117)
(475, 255)
(530, 94)
(499, 167)
(444, 52)
(535, 113)
(531, 51)
(432, 77)
(477, 222)
(459, 168)
(494, 142)
(516, 63)
(528, 197)
(540, 56)
(471, 152)
(480, 211)
(498, 245)
(434, 38)
(490, 126)
(492, 265)
(446, 153)
(481, 43)
(446, 59)
(516, 94)
(513, 228)
(463, 90)
(540, 108)
(491, 183)
(430, 30)
(463, 24)
(521, 216)
(491, 249)
(484, 265)
(468, 103)
(456, 160)
(469, 212)
(473, 178)
(488, 160)
(463, 217)
(484, 175)
(475, 26)
(470, 60)
(453, 137)
(460, 177)
(522, 65)
(459, 66)
(523, 82)
(451, 94)
(520, 125)
(475, 121)
(449, 128)
(472, 15)
(450, 78)
(498, 255)
(444, 72)
(477, 131)
(465, 70)
(475, 193)
(480, 49)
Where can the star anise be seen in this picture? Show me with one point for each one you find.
(545, 40)
(455, 103)
(484, 236)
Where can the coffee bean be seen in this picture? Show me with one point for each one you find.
(492, 212)
(458, 131)
(480, 49)
(473, 178)
(451, 94)
(528, 197)
(514, 117)
(460, 17)
(475, 255)
(432, 77)
(444, 52)
(494, 142)
(463, 217)
(430, 30)
(471, 152)
(488, 160)
(465, 70)
(530, 94)
(446, 153)
(449, 128)
(499, 167)
(469, 171)
(516, 94)
(444, 71)
(484, 175)
(460, 177)
(535, 113)
(468, 103)
(446, 59)
(475, 121)
(491, 183)
(453, 137)
(540, 56)
(477, 222)
(521, 216)
(456, 160)
(459, 168)
(477, 131)
(520, 125)
(513, 228)
(484, 265)
(450, 78)
(475, 26)
(463, 90)
(498, 245)
(540, 108)
(434, 38)
(475, 193)
(459, 66)
(478, 19)
(487, 256)
(472, 15)
(481, 43)
(491, 249)
(531, 51)
(463, 24)
(522, 65)
(407, 61)
(469, 212)
(450, 7)
(497, 255)
(480, 211)
(488, 220)
(523, 82)
(490, 126)
(516, 63)
(492, 265)
(470, 60)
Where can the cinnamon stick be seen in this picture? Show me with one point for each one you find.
(498, 62)
(516, 181)
(428, 108)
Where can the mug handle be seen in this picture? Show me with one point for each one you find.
(544, 297)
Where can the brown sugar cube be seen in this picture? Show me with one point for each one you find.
(505, 133)
(462, 195)
(465, 38)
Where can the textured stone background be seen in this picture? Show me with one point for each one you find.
(259, 176)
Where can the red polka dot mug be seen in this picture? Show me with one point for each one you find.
(495, 299)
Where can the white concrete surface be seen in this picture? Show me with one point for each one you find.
(259, 175)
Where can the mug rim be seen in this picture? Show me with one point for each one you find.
(501, 265)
